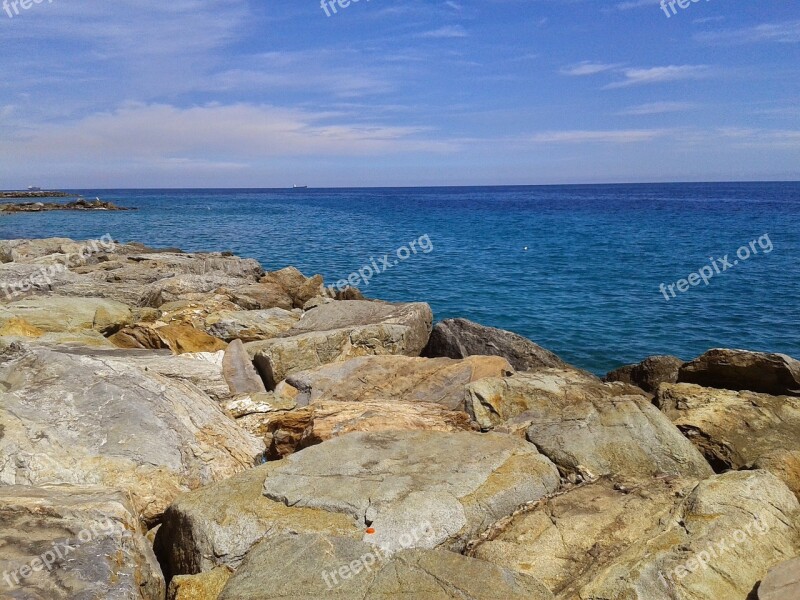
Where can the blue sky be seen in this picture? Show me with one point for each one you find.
(238, 93)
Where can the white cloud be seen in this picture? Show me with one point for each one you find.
(657, 108)
(448, 31)
(661, 75)
(627, 136)
(588, 68)
(785, 33)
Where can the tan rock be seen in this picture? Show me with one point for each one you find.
(239, 371)
(205, 586)
(776, 374)
(251, 325)
(782, 582)
(59, 314)
(138, 337)
(185, 338)
(17, 327)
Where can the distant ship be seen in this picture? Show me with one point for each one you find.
(33, 188)
(300, 187)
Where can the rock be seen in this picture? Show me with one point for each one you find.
(76, 419)
(195, 312)
(65, 542)
(341, 330)
(218, 525)
(649, 373)
(299, 287)
(460, 338)
(206, 586)
(250, 325)
(188, 287)
(59, 314)
(458, 481)
(775, 374)
(662, 539)
(244, 405)
(397, 378)
(782, 582)
(288, 432)
(185, 338)
(260, 296)
(138, 337)
(314, 566)
(586, 427)
(198, 264)
(738, 430)
(239, 371)
(78, 339)
(16, 327)
(18, 281)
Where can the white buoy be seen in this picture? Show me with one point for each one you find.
(525, 248)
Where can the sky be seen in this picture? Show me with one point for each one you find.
(271, 93)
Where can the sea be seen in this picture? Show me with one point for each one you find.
(583, 270)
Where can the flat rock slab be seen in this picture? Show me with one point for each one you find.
(250, 325)
(654, 539)
(58, 314)
(776, 374)
(67, 542)
(738, 430)
(782, 582)
(397, 378)
(587, 427)
(216, 526)
(312, 566)
(341, 330)
(459, 482)
(68, 418)
(460, 338)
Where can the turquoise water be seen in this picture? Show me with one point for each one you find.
(586, 288)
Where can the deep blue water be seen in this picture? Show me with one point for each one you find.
(587, 288)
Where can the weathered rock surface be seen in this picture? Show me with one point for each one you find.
(296, 285)
(290, 431)
(250, 325)
(460, 338)
(459, 482)
(239, 372)
(66, 542)
(87, 420)
(782, 582)
(341, 330)
(587, 427)
(314, 566)
(649, 373)
(60, 314)
(219, 524)
(654, 541)
(775, 374)
(205, 586)
(397, 378)
(185, 338)
(738, 430)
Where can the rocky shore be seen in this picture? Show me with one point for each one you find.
(81, 204)
(33, 194)
(191, 427)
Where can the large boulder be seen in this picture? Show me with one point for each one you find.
(397, 378)
(738, 430)
(342, 330)
(59, 314)
(66, 542)
(316, 566)
(250, 325)
(648, 374)
(653, 539)
(218, 525)
(68, 418)
(299, 287)
(459, 482)
(586, 427)
(775, 374)
(460, 338)
(286, 432)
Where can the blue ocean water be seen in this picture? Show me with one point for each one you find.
(587, 287)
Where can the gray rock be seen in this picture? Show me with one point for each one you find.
(649, 373)
(314, 566)
(341, 330)
(65, 542)
(458, 481)
(239, 371)
(250, 325)
(460, 338)
(586, 427)
(87, 420)
(775, 374)
(782, 582)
